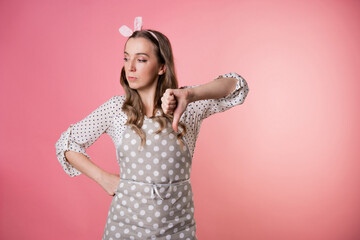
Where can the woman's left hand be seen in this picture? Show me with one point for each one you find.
(175, 101)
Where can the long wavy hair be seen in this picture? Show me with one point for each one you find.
(133, 106)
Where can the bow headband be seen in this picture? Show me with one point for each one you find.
(127, 32)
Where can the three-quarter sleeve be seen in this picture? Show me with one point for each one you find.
(81, 135)
(197, 111)
(207, 107)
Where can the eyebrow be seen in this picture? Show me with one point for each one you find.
(138, 54)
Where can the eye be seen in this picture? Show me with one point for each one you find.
(142, 60)
(125, 59)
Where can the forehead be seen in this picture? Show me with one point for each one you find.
(139, 45)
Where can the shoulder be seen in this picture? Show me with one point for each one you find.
(112, 104)
(118, 99)
(116, 102)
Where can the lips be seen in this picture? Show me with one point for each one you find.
(131, 78)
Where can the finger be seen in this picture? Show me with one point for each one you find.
(166, 111)
(171, 101)
(168, 96)
(176, 120)
(171, 105)
(168, 92)
(166, 103)
(167, 108)
(163, 106)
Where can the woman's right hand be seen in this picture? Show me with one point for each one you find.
(175, 101)
(109, 182)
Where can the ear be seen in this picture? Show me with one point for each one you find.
(162, 69)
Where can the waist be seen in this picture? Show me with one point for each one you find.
(157, 184)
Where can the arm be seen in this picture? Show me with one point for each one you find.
(72, 145)
(201, 101)
(217, 88)
(106, 180)
(84, 165)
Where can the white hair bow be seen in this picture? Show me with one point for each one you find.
(126, 31)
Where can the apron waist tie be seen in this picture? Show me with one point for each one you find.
(154, 186)
(154, 189)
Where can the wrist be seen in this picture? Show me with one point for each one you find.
(190, 95)
(100, 176)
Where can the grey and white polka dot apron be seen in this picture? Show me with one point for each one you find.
(154, 198)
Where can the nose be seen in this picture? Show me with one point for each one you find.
(131, 66)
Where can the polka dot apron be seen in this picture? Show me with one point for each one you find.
(154, 198)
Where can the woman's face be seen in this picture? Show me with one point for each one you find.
(141, 65)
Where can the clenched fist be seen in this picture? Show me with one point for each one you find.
(175, 101)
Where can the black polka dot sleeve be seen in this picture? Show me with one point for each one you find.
(81, 135)
(197, 111)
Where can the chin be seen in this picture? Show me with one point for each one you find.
(133, 86)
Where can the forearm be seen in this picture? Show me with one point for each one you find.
(217, 88)
(84, 165)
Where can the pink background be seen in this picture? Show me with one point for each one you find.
(284, 165)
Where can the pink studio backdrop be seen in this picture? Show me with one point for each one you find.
(284, 165)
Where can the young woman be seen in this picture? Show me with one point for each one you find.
(154, 127)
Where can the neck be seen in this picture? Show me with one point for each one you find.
(147, 96)
(147, 99)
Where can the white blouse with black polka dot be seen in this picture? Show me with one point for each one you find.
(110, 119)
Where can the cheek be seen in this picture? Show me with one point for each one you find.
(153, 69)
(149, 70)
(146, 71)
(140, 68)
